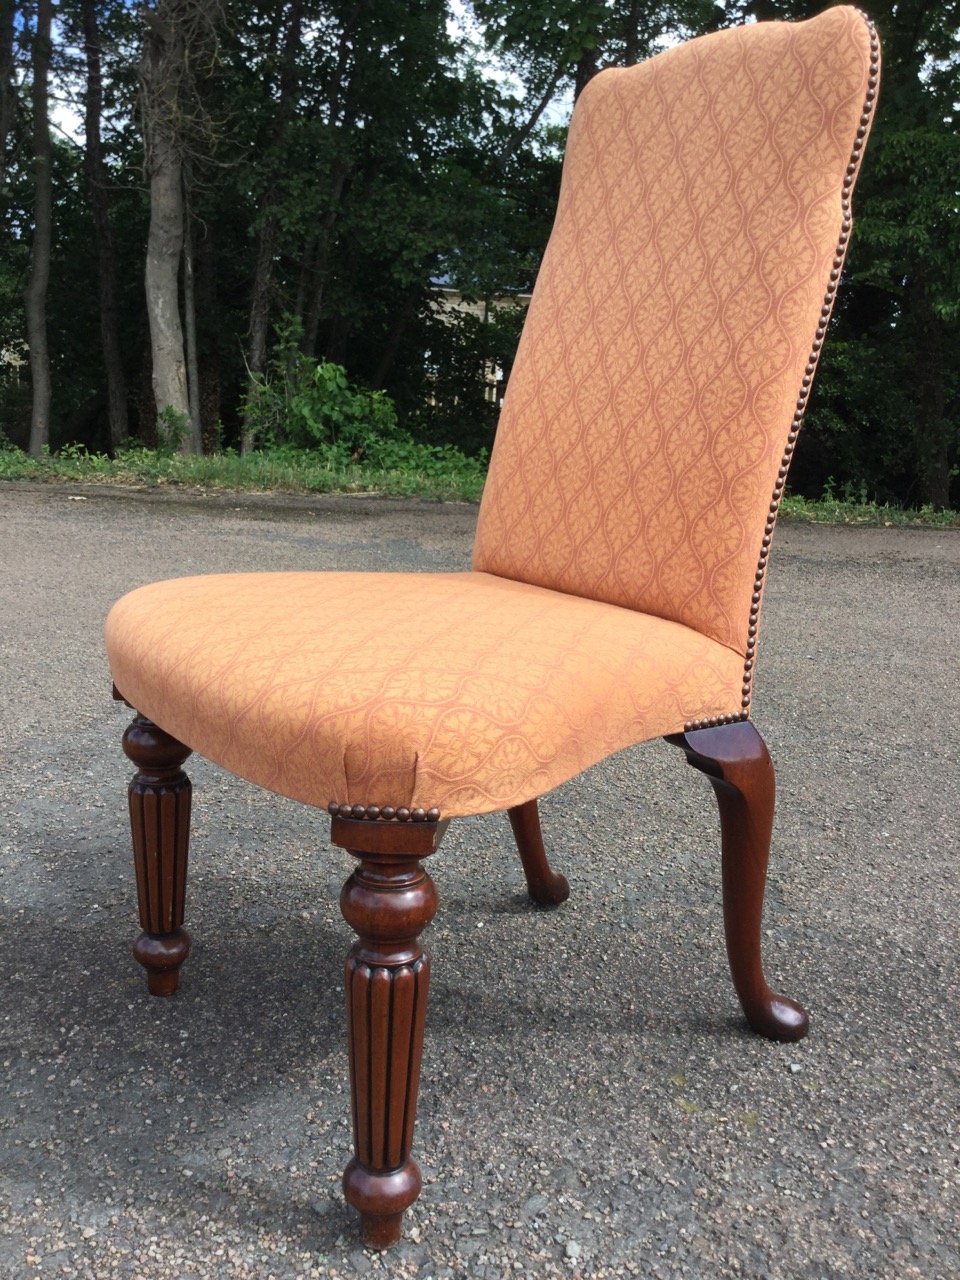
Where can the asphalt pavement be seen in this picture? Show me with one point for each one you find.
(592, 1104)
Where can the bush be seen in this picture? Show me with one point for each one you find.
(310, 404)
(326, 410)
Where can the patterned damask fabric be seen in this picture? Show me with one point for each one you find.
(465, 692)
(675, 310)
(635, 461)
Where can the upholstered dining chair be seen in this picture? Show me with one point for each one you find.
(619, 563)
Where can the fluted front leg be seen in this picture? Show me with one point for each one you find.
(387, 901)
(735, 759)
(545, 886)
(160, 795)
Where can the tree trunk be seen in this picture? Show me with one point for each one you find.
(631, 35)
(190, 325)
(519, 137)
(8, 91)
(146, 405)
(103, 231)
(342, 118)
(321, 265)
(164, 249)
(932, 430)
(36, 291)
(208, 348)
(259, 326)
(388, 355)
(173, 39)
(587, 67)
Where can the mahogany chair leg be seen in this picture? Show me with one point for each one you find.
(160, 825)
(735, 759)
(387, 901)
(546, 887)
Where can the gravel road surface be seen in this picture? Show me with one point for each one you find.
(591, 1104)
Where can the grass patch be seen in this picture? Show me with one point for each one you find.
(834, 510)
(403, 470)
(428, 471)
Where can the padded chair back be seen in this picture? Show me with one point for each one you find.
(676, 322)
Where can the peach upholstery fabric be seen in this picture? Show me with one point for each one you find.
(464, 692)
(632, 476)
(674, 313)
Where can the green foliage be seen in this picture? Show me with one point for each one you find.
(326, 410)
(401, 164)
(308, 403)
(885, 409)
(172, 429)
(854, 508)
(406, 469)
(467, 360)
(311, 421)
(913, 212)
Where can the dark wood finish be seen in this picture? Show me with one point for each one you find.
(387, 901)
(546, 887)
(160, 794)
(735, 759)
(408, 839)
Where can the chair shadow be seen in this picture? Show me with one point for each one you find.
(261, 1007)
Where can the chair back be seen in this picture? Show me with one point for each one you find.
(677, 320)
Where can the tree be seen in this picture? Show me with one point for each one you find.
(259, 326)
(884, 417)
(335, 161)
(178, 38)
(908, 253)
(8, 90)
(373, 150)
(36, 293)
(107, 281)
(550, 42)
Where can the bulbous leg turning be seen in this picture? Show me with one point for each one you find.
(735, 759)
(160, 795)
(387, 901)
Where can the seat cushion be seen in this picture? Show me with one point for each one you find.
(464, 692)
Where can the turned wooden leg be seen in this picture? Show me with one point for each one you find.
(160, 826)
(546, 887)
(735, 759)
(387, 901)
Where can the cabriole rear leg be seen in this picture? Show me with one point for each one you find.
(735, 759)
(546, 887)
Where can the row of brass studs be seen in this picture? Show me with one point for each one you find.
(378, 813)
(714, 722)
(808, 373)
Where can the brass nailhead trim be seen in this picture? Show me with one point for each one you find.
(829, 296)
(714, 722)
(378, 813)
